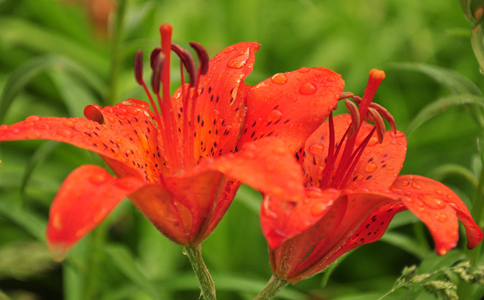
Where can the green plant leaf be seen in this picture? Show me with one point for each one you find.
(39, 155)
(445, 171)
(125, 262)
(441, 105)
(478, 46)
(250, 198)
(466, 8)
(405, 243)
(402, 219)
(28, 220)
(435, 262)
(454, 81)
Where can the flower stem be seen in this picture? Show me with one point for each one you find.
(204, 278)
(274, 286)
(116, 53)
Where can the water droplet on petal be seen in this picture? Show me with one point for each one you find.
(304, 70)
(452, 234)
(308, 89)
(416, 186)
(32, 118)
(373, 141)
(239, 61)
(3, 127)
(274, 116)
(98, 178)
(439, 192)
(111, 119)
(434, 203)
(313, 192)
(370, 167)
(42, 126)
(441, 217)
(279, 78)
(316, 149)
(405, 183)
(64, 132)
(331, 79)
(33, 135)
(318, 209)
(122, 111)
(69, 123)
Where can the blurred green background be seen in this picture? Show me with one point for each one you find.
(58, 56)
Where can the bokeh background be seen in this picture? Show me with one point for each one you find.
(56, 56)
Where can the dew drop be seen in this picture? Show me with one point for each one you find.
(56, 221)
(416, 186)
(274, 116)
(441, 217)
(313, 192)
(82, 232)
(3, 127)
(304, 225)
(279, 78)
(32, 118)
(316, 149)
(370, 167)
(69, 123)
(122, 111)
(439, 192)
(405, 183)
(98, 178)
(33, 134)
(452, 234)
(373, 141)
(304, 70)
(318, 209)
(42, 126)
(111, 119)
(239, 61)
(331, 79)
(308, 89)
(408, 193)
(64, 132)
(434, 203)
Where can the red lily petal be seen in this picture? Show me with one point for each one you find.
(128, 145)
(282, 219)
(379, 164)
(291, 105)
(370, 230)
(133, 130)
(85, 198)
(219, 106)
(438, 207)
(265, 165)
(360, 206)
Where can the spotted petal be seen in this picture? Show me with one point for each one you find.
(291, 105)
(439, 208)
(219, 106)
(85, 198)
(128, 139)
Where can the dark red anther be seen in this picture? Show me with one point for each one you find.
(380, 126)
(188, 62)
(202, 57)
(138, 67)
(153, 56)
(156, 76)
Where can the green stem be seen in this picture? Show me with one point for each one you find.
(204, 278)
(274, 286)
(116, 53)
(465, 290)
(94, 259)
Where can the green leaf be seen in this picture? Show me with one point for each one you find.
(478, 46)
(445, 171)
(28, 220)
(401, 219)
(405, 243)
(39, 155)
(466, 8)
(454, 81)
(14, 30)
(126, 263)
(226, 282)
(435, 262)
(250, 198)
(4, 296)
(25, 73)
(441, 105)
(75, 95)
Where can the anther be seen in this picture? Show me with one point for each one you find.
(153, 56)
(355, 117)
(156, 76)
(385, 114)
(188, 62)
(202, 57)
(138, 67)
(380, 126)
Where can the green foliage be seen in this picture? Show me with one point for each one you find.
(53, 62)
